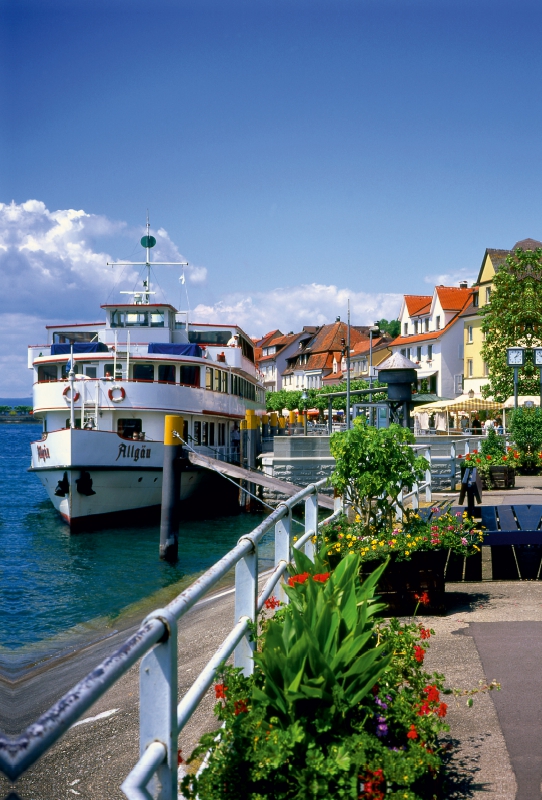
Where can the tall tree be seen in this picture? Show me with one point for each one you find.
(513, 317)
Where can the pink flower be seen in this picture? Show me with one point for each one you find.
(463, 540)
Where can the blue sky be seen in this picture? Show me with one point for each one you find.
(370, 147)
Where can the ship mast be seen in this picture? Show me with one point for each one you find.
(147, 242)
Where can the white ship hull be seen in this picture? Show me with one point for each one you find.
(93, 474)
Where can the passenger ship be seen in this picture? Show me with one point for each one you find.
(102, 391)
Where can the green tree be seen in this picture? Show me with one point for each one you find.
(393, 327)
(513, 317)
(5, 409)
(23, 409)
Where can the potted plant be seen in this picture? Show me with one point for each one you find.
(496, 462)
(418, 550)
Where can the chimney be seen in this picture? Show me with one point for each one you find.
(463, 285)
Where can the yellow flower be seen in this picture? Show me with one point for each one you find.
(381, 544)
(373, 547)
(407, 552)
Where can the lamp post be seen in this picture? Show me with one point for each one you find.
(304, 398)
(373, 329)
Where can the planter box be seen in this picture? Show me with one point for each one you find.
(423, 572)
(500, 478)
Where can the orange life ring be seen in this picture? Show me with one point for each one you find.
(117, 399)
(75, 397)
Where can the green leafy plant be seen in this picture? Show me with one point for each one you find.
(526, 430)
(369, 731)
(372, 466)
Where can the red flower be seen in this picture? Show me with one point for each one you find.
(413, 733)
(240, 707)
(220, 691)
(371, 785)
(419, 653)
(425, 633)
(422, 598)
(180, 759)
(298, 578)
(321, 578)
(272, 602)
(425, 708)
(442, 709)
(432, 693)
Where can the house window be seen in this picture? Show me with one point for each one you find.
(405, 329)
(416, 327)
(403, 353)
(437, 323)
(469, 334)
(418, 354)
(458, 384)
(488, 294)
(429, 352)
(408, 352)
(427, 324)
(469, 367)
(475, 299)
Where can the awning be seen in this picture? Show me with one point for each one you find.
(164, 348)
(425, 373)
(78, 348)
(461, 403)
(522, 399)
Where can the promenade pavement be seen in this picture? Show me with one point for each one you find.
(491, 631)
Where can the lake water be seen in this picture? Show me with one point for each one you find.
(59, 590)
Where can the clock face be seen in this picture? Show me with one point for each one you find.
(538, 356)
(515, 357)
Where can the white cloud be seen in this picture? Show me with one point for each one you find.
(53, 267)
(452, 278)
(290, 308)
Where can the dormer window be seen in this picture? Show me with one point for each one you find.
(427, 325)
(437, 323)
(405, 329)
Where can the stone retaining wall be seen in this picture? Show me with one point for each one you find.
(300, 460)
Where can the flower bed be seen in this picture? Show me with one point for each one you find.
(339, 705)
(418, 551)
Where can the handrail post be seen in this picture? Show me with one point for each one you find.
(428, 476)
(398, 509)
(453, 466)
(311, 523)
(283, 545)
(246, 590)
(416, 497)
(158, 705)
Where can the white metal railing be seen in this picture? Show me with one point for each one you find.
(155, 643)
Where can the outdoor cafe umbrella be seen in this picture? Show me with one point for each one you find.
(461, 403)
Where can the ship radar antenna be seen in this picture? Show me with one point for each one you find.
(147, 242)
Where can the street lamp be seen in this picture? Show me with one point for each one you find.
(304, 398)
(373, 329)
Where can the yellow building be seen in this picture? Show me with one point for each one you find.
(475, 371)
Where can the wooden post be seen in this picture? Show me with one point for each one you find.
(171, 489)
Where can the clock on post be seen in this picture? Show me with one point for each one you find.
(515, 356)
(537, 355)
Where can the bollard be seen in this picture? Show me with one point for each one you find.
(282, 426)
(171, 489)
(274, 423)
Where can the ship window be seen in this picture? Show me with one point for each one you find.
(89, 371)
(127, 427)
(157, 319)
(48, 372)
(129, 319)
(197, 433)
(108, 370)
(143, 372)
(211, 434)
(208, 378)
(221, 434)
(218, 381)
(166, 373)
(70, 337)
(77, 422)
(205, 434)
(209, 337)
(190, 376)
